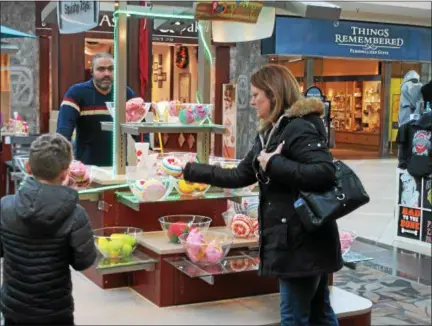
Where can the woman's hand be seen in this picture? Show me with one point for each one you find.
(264, 157)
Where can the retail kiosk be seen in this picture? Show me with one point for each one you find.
(158, 270)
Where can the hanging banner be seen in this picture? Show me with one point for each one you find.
(77, 16)
(238, 11)
(229, 120)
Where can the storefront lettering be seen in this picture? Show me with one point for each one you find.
(369, 40)
(107, 20)
(193, 28)
(77, 7)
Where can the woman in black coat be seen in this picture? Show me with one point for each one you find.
(289, 153)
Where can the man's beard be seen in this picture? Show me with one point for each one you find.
(103, 87)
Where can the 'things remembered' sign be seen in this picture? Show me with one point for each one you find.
(369, 40)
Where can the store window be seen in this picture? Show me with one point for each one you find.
(354, 89)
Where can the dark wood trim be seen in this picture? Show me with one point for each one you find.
(172, 75)
(133, 44)
(55, 71)
(148, 90)
(44, 83)
(223, 44)
(95, 34)
(221, 77)
(71, 61)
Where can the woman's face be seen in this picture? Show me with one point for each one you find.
(260, 102)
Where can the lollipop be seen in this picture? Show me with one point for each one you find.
(201, 112)
(186, 116)
(135, 110)
(78, 176)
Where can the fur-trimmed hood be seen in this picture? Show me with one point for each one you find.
(301, 108)
(304, 107)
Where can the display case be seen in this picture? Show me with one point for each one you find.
(355, 111)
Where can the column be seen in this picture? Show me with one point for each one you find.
(386, 71)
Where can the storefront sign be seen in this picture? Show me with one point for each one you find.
(323, 38)
(77, 16)
(314, 91)
(409, 223)
(238, 11)
(188, 35)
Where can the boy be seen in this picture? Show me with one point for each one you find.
(43, 231)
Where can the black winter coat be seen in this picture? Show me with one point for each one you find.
(286, 249)
(43, 231)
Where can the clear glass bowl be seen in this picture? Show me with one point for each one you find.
(193, 113)
(190, 189)
(136, 118)
(346, 240)
(176, 225)
(148, 188)
(230, 164)
(117, 241)
(207, 248)
(78, 178)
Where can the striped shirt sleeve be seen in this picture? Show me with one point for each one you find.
(69, 113)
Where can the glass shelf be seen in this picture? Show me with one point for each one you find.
(351, 258)
(128, 199)
(136, 262)
(230, 265)
(165, 127)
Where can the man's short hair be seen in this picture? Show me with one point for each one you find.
(50, 154)
(100, 55)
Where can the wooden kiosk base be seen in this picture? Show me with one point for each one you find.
(160, 271)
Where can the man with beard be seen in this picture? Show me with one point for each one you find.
(83, 107)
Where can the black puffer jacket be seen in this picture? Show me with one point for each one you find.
(43, 231)
(286, 249)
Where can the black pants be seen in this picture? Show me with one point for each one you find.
(60, 322)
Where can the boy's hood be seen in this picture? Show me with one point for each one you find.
(44, 207)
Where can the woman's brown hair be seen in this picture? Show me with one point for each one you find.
(280, 86)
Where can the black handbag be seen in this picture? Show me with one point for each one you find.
(347, 194)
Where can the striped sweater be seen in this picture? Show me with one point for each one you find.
(83, 107)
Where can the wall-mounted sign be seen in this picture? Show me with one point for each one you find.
(242, 92)
(234, 11)
(314, 91)
(354, 39)
(188, 35)
(77, 16)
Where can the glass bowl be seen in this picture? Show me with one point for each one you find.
(190, 189)
(346, 240)
(230, 164)
(135, 116)
(206, 248)
(148, 188)
(176, 225)
(78, 178)
(116, 241)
